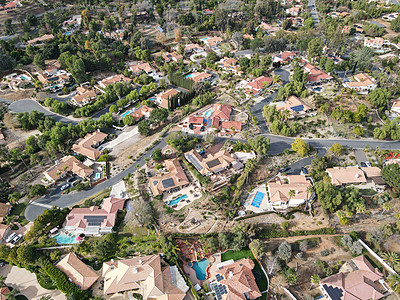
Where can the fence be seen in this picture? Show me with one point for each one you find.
(383, 263)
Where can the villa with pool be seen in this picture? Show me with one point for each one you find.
(281, 192)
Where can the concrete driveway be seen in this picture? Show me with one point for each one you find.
(27, 284)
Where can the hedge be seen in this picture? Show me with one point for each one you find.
(287, 216)
(279, 233)
(62, 282)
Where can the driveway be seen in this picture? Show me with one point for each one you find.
(28, 105)
(360, 156)
(257, 109)
(27, 284)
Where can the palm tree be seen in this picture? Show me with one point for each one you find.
(315, 279)
(291, 194)
(391, 258)
(360, 208)
(309, 192)
(2, 278)
(394, 282)
(12, 295)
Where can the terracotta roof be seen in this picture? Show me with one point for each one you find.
(85, 148)
(88, 95)
(4, 210)
(69, 164)
(114, 79)
(171, 56)
(146, 275)
(196, 120)
(372, 172)
(138, 67)
(213, 41)
(222, 111)
(4, 291)
(175, 177)
(77, 217)
(359, 284)
(228, 125)
(293, 104)
(165, 96)
(268, 27)
(142, 111)
(210, 162)
(362, 80)
(80, 273)
(239, 280)
(197, 77)
(279, 188)
(190, 47)
(350, 175)
(3, 230)
(258, 83)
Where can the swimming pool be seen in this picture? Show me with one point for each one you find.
(68, 33)
(127, 113)
(24, 77)
(209, 113)
(97, 176)
(257, 199)
(152, 99)
(201, 268)
(204, 39)
(177, 200)
(62, 238)
(190, 76)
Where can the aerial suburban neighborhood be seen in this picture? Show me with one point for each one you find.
(191, 149)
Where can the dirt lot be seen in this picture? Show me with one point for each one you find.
(16, 95)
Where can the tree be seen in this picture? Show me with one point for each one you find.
(391, 175)
(158, 115)
(143, 212)
(395, 24)
(315, 280)
(257, 247)
(39, 61)
(260, 145)
(79, 70)
(156, 154)
(178, 35)
(113, 109)
(284, 251)
(237, 39)
(336, 148)
(303, 246)
(144, 127)
(5, 191)
(357, 248)
(161, 38)
(37, 190)
(391, 258)
(358, 131)
(363, 58)
(314, 48)
(300, 146)
(394, 282)
(287, 24)
(129, 120)
(380, 98)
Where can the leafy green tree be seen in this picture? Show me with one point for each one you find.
(258, 248)
(37, 190)
(391, 175)
(113, 109)
(314, 48)
(260, 145)
(336, 148)
(284, 251)
(156, 154)
(144, 128)
(158, 115)
(358, 131)
(380, 98)
(129, 120)
(39, 61)
(79, 71)
(395, 24)
(5, 191)
(301, 147)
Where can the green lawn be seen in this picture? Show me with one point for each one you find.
(236, 255)
(19, 210)
(246, 253)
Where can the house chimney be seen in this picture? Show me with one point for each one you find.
(230, 274)
(135, 270)
(140, 261)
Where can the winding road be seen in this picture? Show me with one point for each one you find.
(278, 144)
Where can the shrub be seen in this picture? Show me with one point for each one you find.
(325, 252)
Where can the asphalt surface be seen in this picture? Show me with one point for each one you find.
(314, 13)
(257, 109)
(28, 105)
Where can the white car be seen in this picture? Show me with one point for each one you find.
(11, 237)
(65, 186)
(16, 239)
(368, 164)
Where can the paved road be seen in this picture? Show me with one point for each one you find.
(314, 13)
(360, 156)
(27, 105)
(257, 109)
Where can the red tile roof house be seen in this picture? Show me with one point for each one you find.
(315, 75)
(360, 281)
(138, 68)
(114, 79)
(258, 83)
(87, 146)
(231, 126)
(93, 220)
(171, 56)
(235, 281)
(83, 97)
(162, 98)
(229, 65)
(363, 83)
(284, 57)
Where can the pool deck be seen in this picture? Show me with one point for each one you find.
(264, 206)
(191, 273)
(191, 196)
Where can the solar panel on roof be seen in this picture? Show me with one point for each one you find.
(94, 220)
(297, 108)
(213, 163)
(194, 162)
(334, 292)
(167, 183)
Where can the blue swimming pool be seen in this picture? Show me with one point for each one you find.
(97, 176)
(68, 33)
(204, 39)
(258, 199)
(201, 268)
(24, 77)
(152, 99)
(63, 238)
(177, 200)
(127, 113)
(189, 76)
(208, 113)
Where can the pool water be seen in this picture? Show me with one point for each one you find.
(204, 39)
(209, 113)
(177, 200)
(127, 113)
(24, 77)
(98, 176)
(257, 199)
(152, 99)
(189, 76)
(62, 238)
(201, 268)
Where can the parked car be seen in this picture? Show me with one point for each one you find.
(76, 181)
(16, 239)
(11, 237)
(363, 164)
(72, 179)
(284, 170)
(368, 164)
(65, 186)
